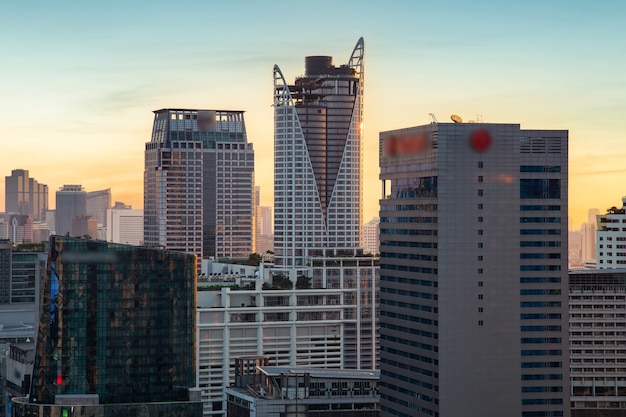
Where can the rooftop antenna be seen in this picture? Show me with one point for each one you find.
(434, 118)
(456, 118)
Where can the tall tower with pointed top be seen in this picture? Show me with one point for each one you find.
(317, 159)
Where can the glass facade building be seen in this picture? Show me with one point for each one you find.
(116, 321)
(317, 159)
(199, 183)
(473, 271)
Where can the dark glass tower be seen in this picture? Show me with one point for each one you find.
(116, 321)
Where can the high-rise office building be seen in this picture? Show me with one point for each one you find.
(24, 195)
(98, 202)
(473, 261)
(199, 183)
(116, 333)
(317, 159)
(71, 202)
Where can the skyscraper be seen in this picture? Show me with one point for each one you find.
(199, 183)
(317, 159)
(116, 332)
(24, 195)
(98, 202)
(71, 202)
(473, 261)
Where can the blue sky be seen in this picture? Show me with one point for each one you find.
(79, 80)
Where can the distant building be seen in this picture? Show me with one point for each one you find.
(84, 226)
(199, 183)
(611, 238)
(98, 202)
(265, 240)
(371, 241)
(274, 391)
(124, 225)
(71, 202)
(24, 195)
(21, 228)
(124, 351)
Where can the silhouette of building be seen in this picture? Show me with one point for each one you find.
(24, 195)
(473, 261)
(199, 183)
(116, 333)
(317, 159)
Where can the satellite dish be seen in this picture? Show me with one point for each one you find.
(456, 119)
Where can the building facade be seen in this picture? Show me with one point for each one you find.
(98, 202)
(317, 159)
(125, 225)
(24, 195)
(117, 326)
(274, 391)
(371, 241)
(597, 314)
(611, 238)
(71, 202)
(199, 183)
(329, 322)
(473, 281)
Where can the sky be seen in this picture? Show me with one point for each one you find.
(79, 80)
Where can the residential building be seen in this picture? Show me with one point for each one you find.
(24, 195)
(199, 183)
(327, 322)
(124, 225)
(597, 315)
(126, 350)
(611, 238)
(371, 241)
(317, 159)
(71, 202)
(275, 391)
(473, 271)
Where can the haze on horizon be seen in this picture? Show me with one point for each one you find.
(79, 81)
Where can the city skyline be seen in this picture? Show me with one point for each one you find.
(77, 103)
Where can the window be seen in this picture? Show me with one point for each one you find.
(480, 231)
(480, 270)
(540, 188)
(480, 309)
(480, 219)
(480, 283)
(480, 322)
(480, 296)
(480, 164)
(480, 193)
(480, 178)
(480, 206)
(480, 245)
(480, 257)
